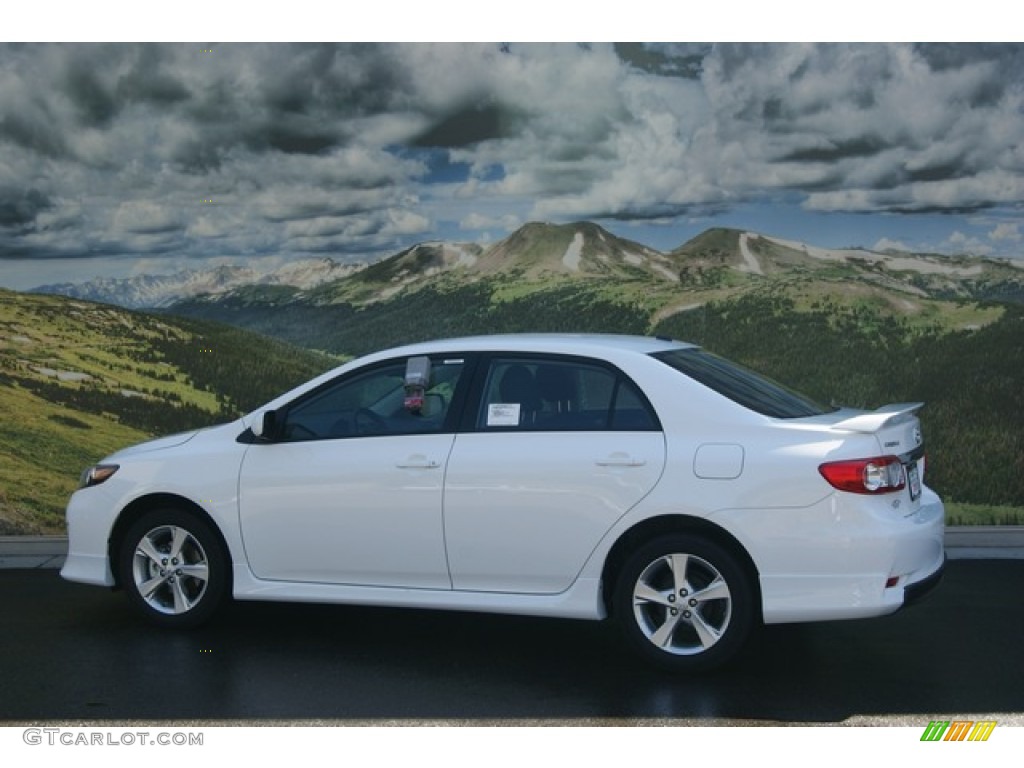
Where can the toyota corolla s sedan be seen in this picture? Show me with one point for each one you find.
(576, 476)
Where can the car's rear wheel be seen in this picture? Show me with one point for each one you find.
(173, 567)
(684, 602)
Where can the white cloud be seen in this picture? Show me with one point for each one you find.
(1006, 232)
(888, 244)
(404, 222)
(114, 148)
(479, 221)
(875, 127)
(959, 242)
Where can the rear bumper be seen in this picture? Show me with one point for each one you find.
(844, 559)
(919, 590)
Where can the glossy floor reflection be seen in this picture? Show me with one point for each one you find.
(74, 652)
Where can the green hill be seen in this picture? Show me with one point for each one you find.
(80, 380)
(858, 327)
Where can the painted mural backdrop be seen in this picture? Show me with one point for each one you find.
(186, 230)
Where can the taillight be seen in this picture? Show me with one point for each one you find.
(883, 474)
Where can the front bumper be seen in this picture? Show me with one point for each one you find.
(89, 520)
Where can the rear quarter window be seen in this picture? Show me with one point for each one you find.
(741, 385)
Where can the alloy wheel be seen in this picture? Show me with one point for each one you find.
(170, 569)
(682, 604)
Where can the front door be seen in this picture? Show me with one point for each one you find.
(350, 491)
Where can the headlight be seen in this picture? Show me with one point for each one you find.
(97, 474)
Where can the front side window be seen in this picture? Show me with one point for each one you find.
(561, 395)
(377, 402)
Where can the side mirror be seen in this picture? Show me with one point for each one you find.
(265, 426)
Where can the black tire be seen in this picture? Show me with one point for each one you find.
(684, 603)
(173, 568)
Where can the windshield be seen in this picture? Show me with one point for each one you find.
(741, 385)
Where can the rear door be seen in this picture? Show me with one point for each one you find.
(556, 450)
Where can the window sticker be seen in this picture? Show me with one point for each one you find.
(503, 415)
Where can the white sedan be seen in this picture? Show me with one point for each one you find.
(577, 476)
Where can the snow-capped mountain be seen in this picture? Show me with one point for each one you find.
(155, 291)
(538, 253)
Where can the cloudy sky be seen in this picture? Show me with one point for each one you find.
(120, 159)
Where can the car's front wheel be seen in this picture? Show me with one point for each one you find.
(173, 568)
(684, 602)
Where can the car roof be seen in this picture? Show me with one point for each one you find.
(564, 343)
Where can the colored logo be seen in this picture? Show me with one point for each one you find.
(958, 730)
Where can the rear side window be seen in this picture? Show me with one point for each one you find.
(741, 385)
(561, 395)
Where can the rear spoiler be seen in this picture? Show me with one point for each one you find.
(886, 416)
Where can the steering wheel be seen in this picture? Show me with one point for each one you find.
(369, 422)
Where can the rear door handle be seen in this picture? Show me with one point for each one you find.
(620, 460)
